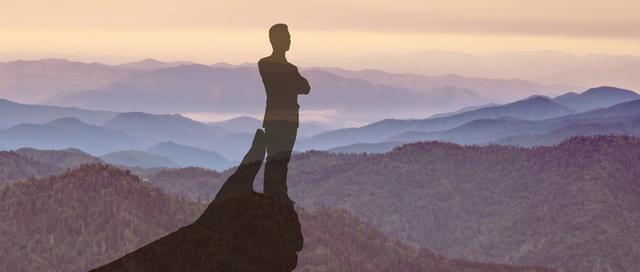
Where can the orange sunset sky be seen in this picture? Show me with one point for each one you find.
(208, 31)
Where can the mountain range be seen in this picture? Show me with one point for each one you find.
(182, 87)
(200, 88)
(547, 66)
(595, 98)
(132, 158)
(123, 131)
(558, 206)
(151, 129)
(65, 158)
(550, 206)
(12, 114)
(532, 116)
(506, 89)
(511, 123)
(168, 155)
(245, 124)
(523, 176)
(190, 156)
(126, 213)
(534, 108)
(38, 81)
(620, 119)
(65, 133)
(459, 201)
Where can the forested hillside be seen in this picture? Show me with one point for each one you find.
(14, 166)
(83, 217)
(335, 240)
(65, 158)
(96, 213)
(570, 206)
(194, 183)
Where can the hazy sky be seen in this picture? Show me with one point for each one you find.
(235, 31)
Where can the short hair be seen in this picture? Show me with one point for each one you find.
(277, 30)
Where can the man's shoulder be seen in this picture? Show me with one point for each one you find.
(269, 63)
(271, 60)
(268, 60)
(266, 63)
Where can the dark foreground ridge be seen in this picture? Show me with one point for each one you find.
(248, 232)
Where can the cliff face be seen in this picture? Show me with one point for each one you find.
(249, 232)
(253, 232)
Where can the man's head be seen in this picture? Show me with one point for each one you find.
(279, 37)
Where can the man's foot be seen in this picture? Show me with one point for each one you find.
(241, 181)
(282, 198)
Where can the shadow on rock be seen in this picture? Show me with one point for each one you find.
(239, 231)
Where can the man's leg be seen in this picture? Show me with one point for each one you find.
(280, 140)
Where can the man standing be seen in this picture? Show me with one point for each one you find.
(283, 83)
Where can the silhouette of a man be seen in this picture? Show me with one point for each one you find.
(283, 83)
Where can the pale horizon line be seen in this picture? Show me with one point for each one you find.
(84, 58)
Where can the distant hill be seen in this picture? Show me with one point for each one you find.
(239, 124)
(184, 88)
(186, 156)
(479, 131)
(533, 108)
(498, 89)
(14, 167)
(152, 64)
(65, 158)
(196, 184)
(245, 124)
(310, 129)
(629, 127)
(155, 128)
(36, 81)
(619, 119)
(367, 148)
(67, 133)
(595, 98)
(543, 66)
(12, 113)
(132, 158)
(83, 217)
(151, 129)
(465, 109)
(622, 110)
